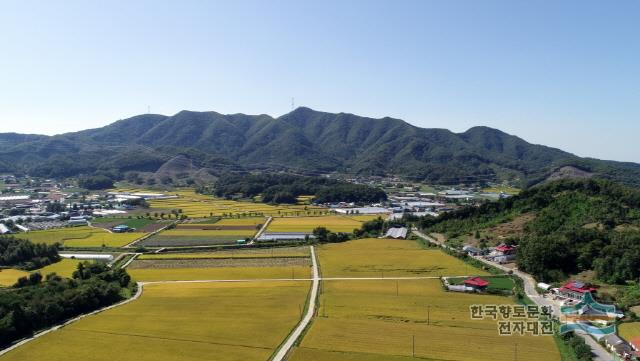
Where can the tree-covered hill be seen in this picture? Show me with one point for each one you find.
(284, 188)
(578, 225)
(304, 140)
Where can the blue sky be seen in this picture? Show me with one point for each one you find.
(559, 73)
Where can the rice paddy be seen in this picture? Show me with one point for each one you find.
(410, 320)
(187, 321)
(196, 205)
(375, 257)
(218, 273)
(9, 276)
(81, 237)
(63, 268)
(307, 224)
(629, 330)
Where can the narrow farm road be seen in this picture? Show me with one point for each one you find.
(530, 285)
(311, 309)
(56, 327)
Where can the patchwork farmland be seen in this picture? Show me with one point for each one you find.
(204, 294)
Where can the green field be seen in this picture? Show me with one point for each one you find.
(188, 321)
(375, 257)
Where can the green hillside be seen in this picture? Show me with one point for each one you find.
(578, 225)
(303, 141)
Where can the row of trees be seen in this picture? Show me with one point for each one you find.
(23, 254)
(285, 188)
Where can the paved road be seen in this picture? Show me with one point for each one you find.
(530, 284)
(311, 309)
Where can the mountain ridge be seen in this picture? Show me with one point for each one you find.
(304, 140)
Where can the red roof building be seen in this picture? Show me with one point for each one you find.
(505, 249)
(576, 289)
(476, 282)
(635, 343)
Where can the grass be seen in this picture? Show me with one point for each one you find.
(368, 320)
(81, 237)
(629, 330)
(307, 224)
(171, 322)
(218, 273)
(375, 257)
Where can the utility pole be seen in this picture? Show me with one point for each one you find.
(428, 315)
(396, 287)
(413, 345)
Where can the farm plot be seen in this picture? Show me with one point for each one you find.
(63, 268)
(187, 321)
(282, 252)
(629, 330)
(195, 237)
(81, 237)
(307, 224)
(9, 276)
(196, 205)
(139, 224)
(175, 269)
(381, 319)
(375, 257)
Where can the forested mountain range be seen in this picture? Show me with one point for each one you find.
(303, 141)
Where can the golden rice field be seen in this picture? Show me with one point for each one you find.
(379, 319)
(180, 322)
(307, 224)
(239, 253)
(63, 268)
(374, 257)
(629, 330)
(200, 206)
(218, 273)
(9, 276)
(81, 237)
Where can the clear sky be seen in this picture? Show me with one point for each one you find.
(559, 73)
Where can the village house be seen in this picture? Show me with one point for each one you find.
(503, 254)
(476, 283)
(575, 290)
(619, 346)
